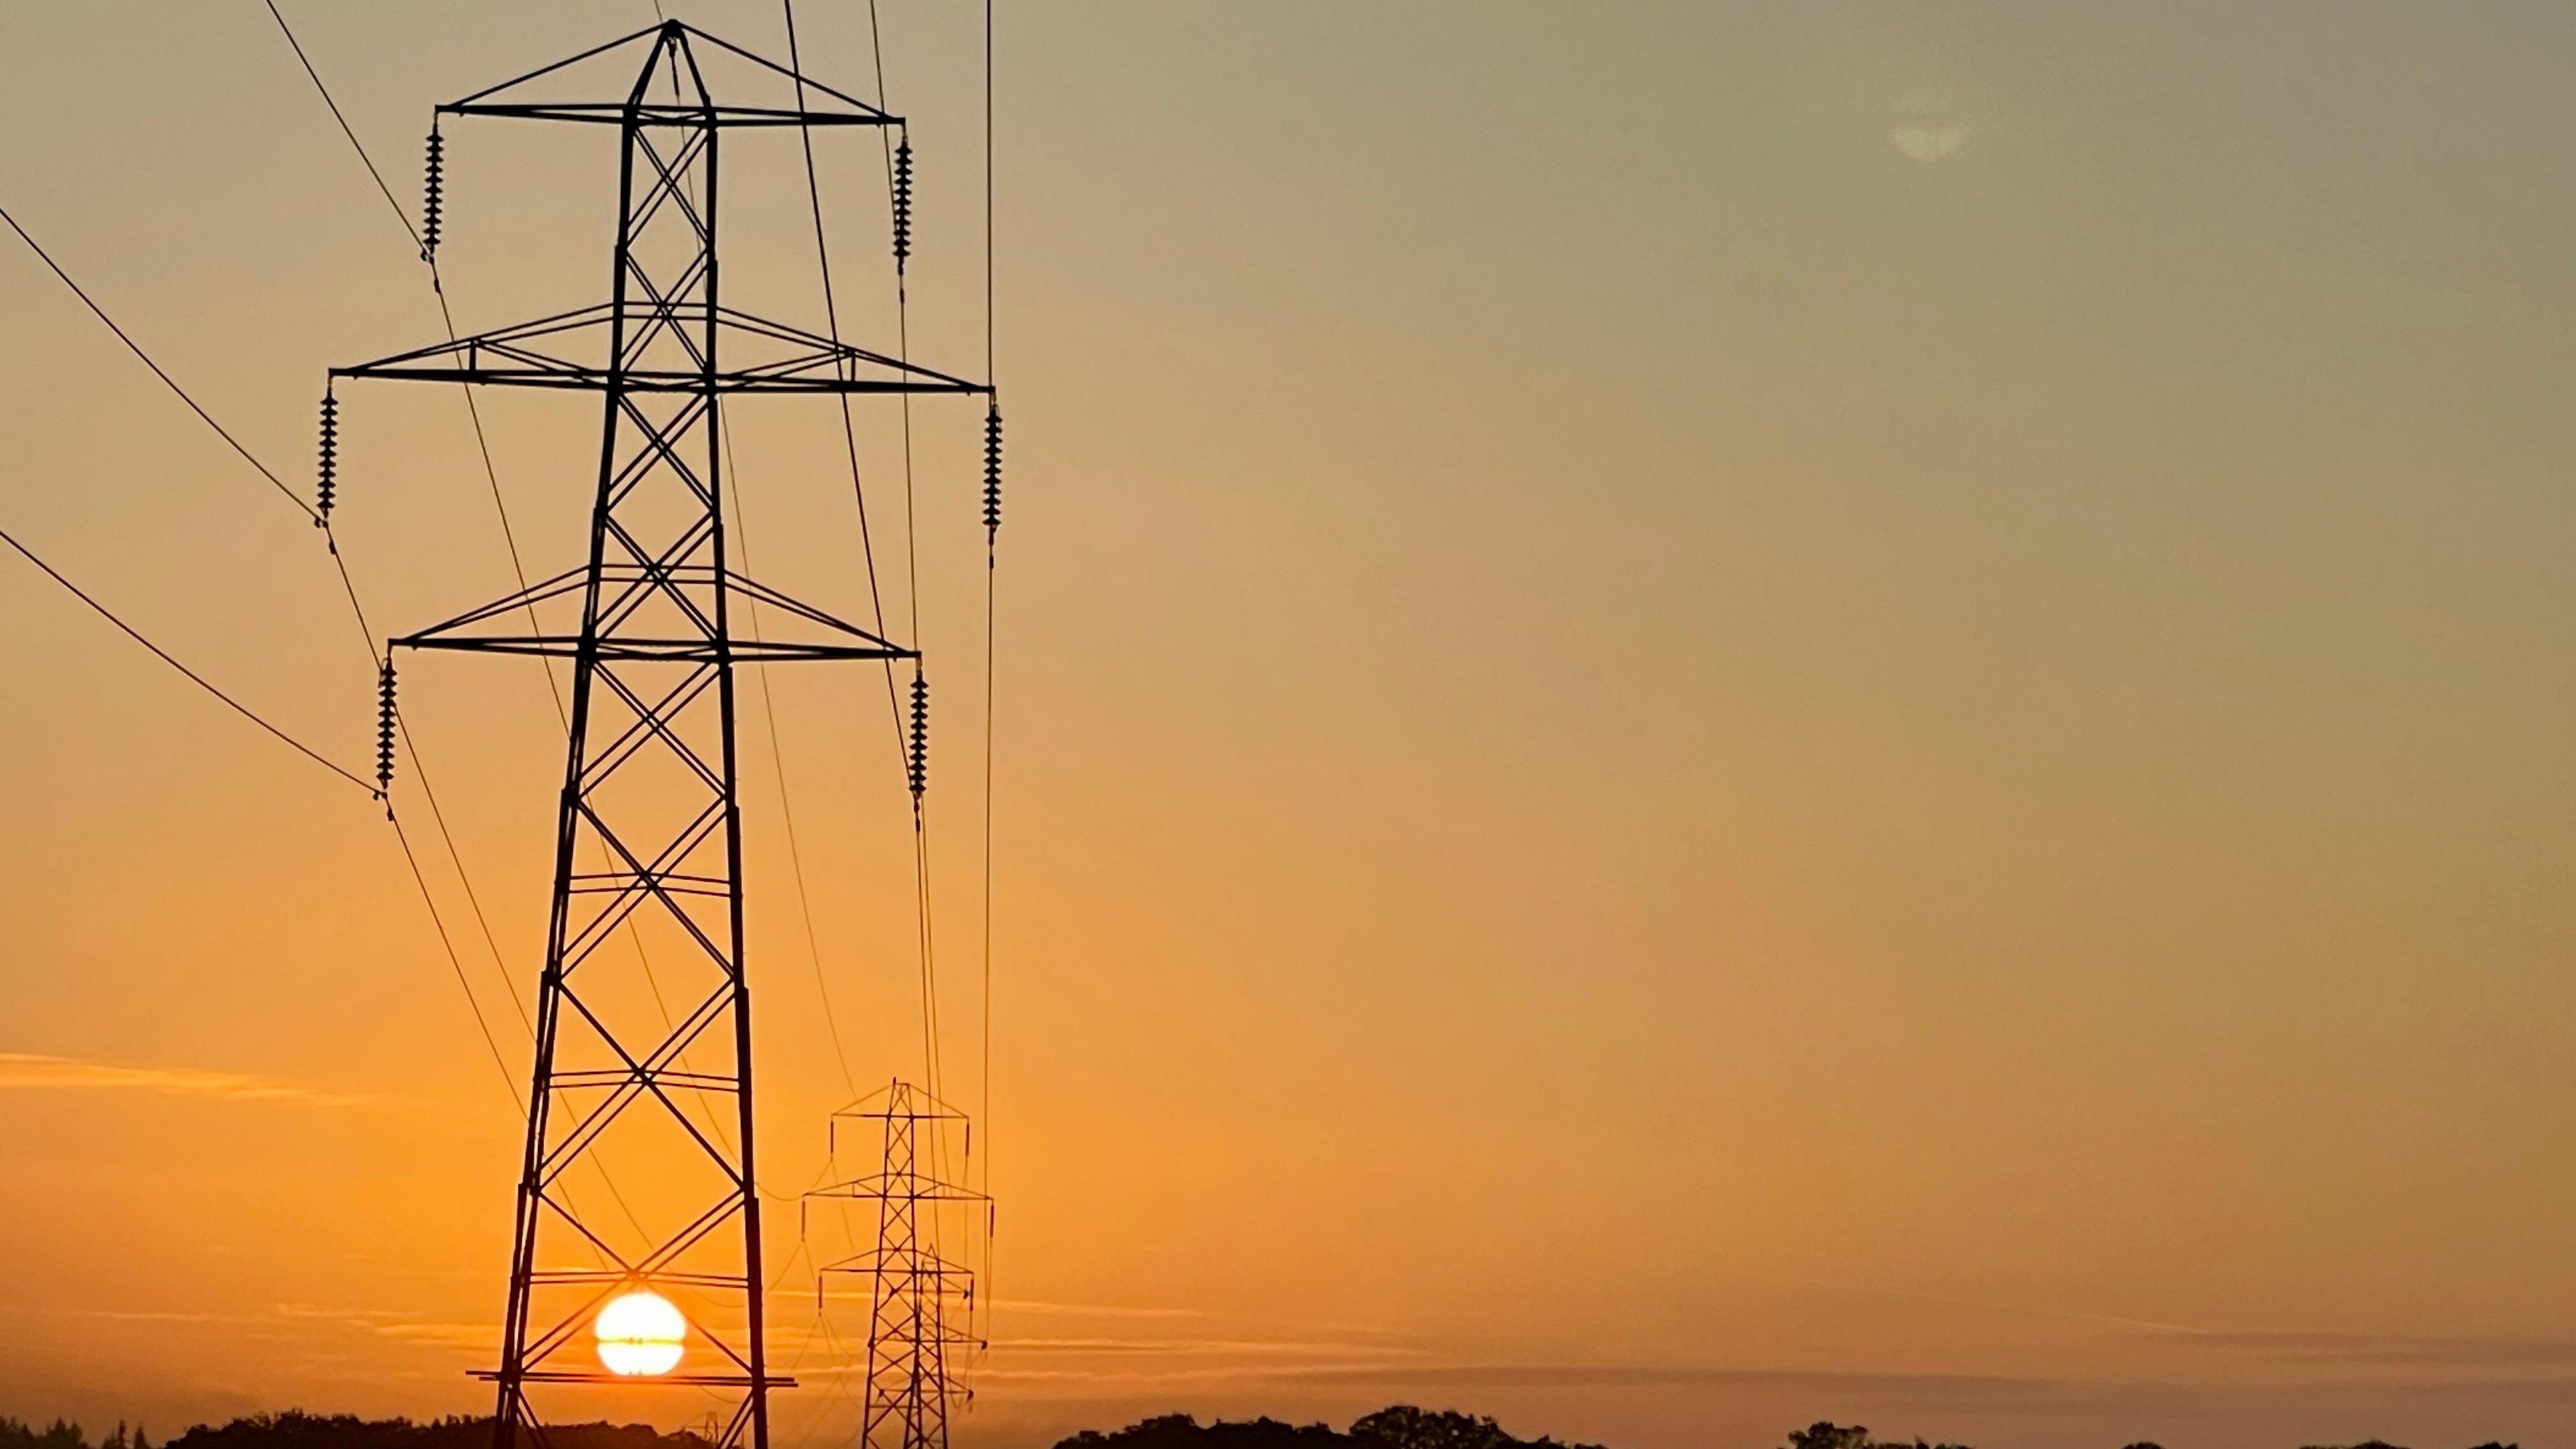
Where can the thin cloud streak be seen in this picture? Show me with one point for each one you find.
(1088, 1310)
(35, 1072)
(2384, 1349)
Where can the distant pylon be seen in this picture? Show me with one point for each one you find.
(920, 1304)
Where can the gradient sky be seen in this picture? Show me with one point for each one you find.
(1665, 769)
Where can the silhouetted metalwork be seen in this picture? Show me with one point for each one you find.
(326, 468)
(920, 1305)
(649, 835)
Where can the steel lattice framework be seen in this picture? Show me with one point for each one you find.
(649, 839)
(920, 1304)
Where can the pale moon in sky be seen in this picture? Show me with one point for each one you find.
(639, 1335)
(1928, 142)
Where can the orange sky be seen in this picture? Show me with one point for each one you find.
(1712, 714)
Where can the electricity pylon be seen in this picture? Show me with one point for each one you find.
(920, 1304)
(649, 831)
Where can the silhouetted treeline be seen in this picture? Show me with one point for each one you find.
(62, 1434)
(1400, 1427)
(1406, 1427)
(1826, 1435)
(2384, 1444)
(1823, 1434)
(293, 1430)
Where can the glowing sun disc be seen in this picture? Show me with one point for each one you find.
(639, 1335)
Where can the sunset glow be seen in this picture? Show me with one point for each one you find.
(1690, 719)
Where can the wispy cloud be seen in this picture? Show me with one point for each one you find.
(33, 1072)
(2376, 1349)
(1093, 1310)
(1013, 1307)
(396, 1324)
(130, 1315)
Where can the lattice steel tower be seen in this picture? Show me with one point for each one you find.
(920, 1304)
(650, 1095)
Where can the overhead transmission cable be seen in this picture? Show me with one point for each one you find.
(898, 164)
(379, 176)
(428, 248)
(321, 518)
(908, 760)
(992, 543)
(481, 1024)
(208, 418)
(778, 766)
(237, 707)
(393, 725)
(348, 588)
(992, 537)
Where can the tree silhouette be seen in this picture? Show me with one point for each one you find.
(1402, 1426)
(1825, 1434)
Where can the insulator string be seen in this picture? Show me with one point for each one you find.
(340, 565)
(832, 327)
(432, 186)
(327, 472)
(903, 201)
(992, 473)
(917, 759)
(385, 725)
(483, 445)
(923, 895)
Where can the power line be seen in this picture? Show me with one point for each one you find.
(438, 289)
(208, 418)
(458, 966)
(898, 184)
(348, 588)
(399, 213)
(992, 380)
(340, 565)
(612, 652)
(858, 492)
(245, 711)
(778, 765)
(481, 1024)
(411, 749)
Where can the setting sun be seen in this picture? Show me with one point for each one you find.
(639, 1334)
